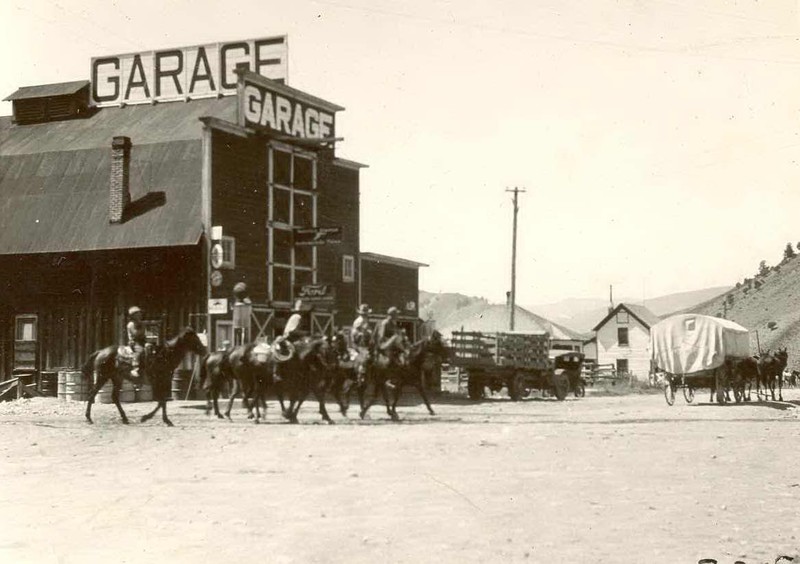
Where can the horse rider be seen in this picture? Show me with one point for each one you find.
(360, 326)
(136, 338)
(294, 329)
(387, 329)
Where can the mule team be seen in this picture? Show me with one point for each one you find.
(294, 365)
(766, 370)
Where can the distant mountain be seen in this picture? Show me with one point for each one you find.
(451, 312)
(582, 314)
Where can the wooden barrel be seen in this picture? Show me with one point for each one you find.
(180, 383)
(62, 385)
(49, 383)
(77, 389)
(144, 393)
(127, 394)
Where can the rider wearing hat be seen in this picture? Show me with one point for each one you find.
(360, 325)
(387, 328)
(136, 338)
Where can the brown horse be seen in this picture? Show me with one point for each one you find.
(250, 370)
(309, 369)
(213, 372)
(770, 370)
(352, 368)
(159, 364)
(407, 366)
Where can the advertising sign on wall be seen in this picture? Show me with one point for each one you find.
(200, 71)
(271, 106)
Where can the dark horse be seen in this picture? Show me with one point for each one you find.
(410, 366)
(742, 372)
(351, 368)
(770, 370)
(310, 368)
(159, 363)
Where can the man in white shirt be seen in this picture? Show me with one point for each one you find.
(360, 325)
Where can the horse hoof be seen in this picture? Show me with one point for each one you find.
(220, 416)
(169, 423)
(126, 422)
(432, 412)
(89, 421)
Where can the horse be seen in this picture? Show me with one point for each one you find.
(159, 364)
(213, 374)
(308, 369)
(741, 374)
(770, 370)
(351, 368)
(250, 369)
(412, 367)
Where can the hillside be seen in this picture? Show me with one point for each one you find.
(768, 305)
(583, 314)
(453, 311)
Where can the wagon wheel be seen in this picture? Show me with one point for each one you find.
(475, 388)
(560, 384)
(688, 394)
(517, 388)
(669, 392)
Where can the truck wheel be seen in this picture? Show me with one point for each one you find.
(560, 384)
(475, 387)
(516, 387)
(580, 389)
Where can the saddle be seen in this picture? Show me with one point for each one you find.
(283, 349)
(125, 354)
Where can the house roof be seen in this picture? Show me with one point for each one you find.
(45, 90)
(495, 317)
(375, 257)
(641, 313)
(54, 179)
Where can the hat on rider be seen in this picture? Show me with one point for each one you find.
(393, 311)
(134, 309)
(363, 309)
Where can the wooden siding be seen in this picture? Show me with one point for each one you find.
(239, 201)
(637, 352)
(81, 299)
(338, 205)
(384, 285)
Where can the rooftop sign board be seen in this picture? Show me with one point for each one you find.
(200, 71)
(268, 105)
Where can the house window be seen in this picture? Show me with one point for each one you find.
(622, 318)
(26, 328)
(348, 268)
(622, 336)
(228, 252)
(292, 186)
(622, 366)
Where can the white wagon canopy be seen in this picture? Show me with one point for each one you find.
(688, 343)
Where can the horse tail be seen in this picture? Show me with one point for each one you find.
(200, 372)
(88, 367)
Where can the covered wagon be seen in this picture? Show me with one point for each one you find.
(691, 350)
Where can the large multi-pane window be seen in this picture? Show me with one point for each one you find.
(292, 204)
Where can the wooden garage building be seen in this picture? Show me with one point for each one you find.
(167, 206)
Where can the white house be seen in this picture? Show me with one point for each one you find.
(623, 339)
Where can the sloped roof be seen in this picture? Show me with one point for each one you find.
(45, 90)
(375, 257)
(54, 179)
(495, 317)
(641, 313)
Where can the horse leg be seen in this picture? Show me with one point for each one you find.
(396, 393)
(377, 386)
(115, 398)
(421, 387)
(234, 392)
(388, 388)
(148, 416)
(319, 391)
(215, 399)
(164, 417)
(101, 381)
(780, 386)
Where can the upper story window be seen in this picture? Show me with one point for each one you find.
(292, 204)
(622, 336)
(348, 268)
(622, 318)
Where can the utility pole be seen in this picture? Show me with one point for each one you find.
(516, 192)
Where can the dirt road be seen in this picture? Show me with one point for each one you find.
(600, 479)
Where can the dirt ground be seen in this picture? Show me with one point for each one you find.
(597, 479)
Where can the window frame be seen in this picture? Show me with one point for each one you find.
(273, 225)
(619, 370)
(348, 264)
(623, 331)
(228, 252)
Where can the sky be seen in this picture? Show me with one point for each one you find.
(657, 141)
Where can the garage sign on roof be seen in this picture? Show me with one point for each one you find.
(200, 71)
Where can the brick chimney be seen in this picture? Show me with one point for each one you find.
(120, 190)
